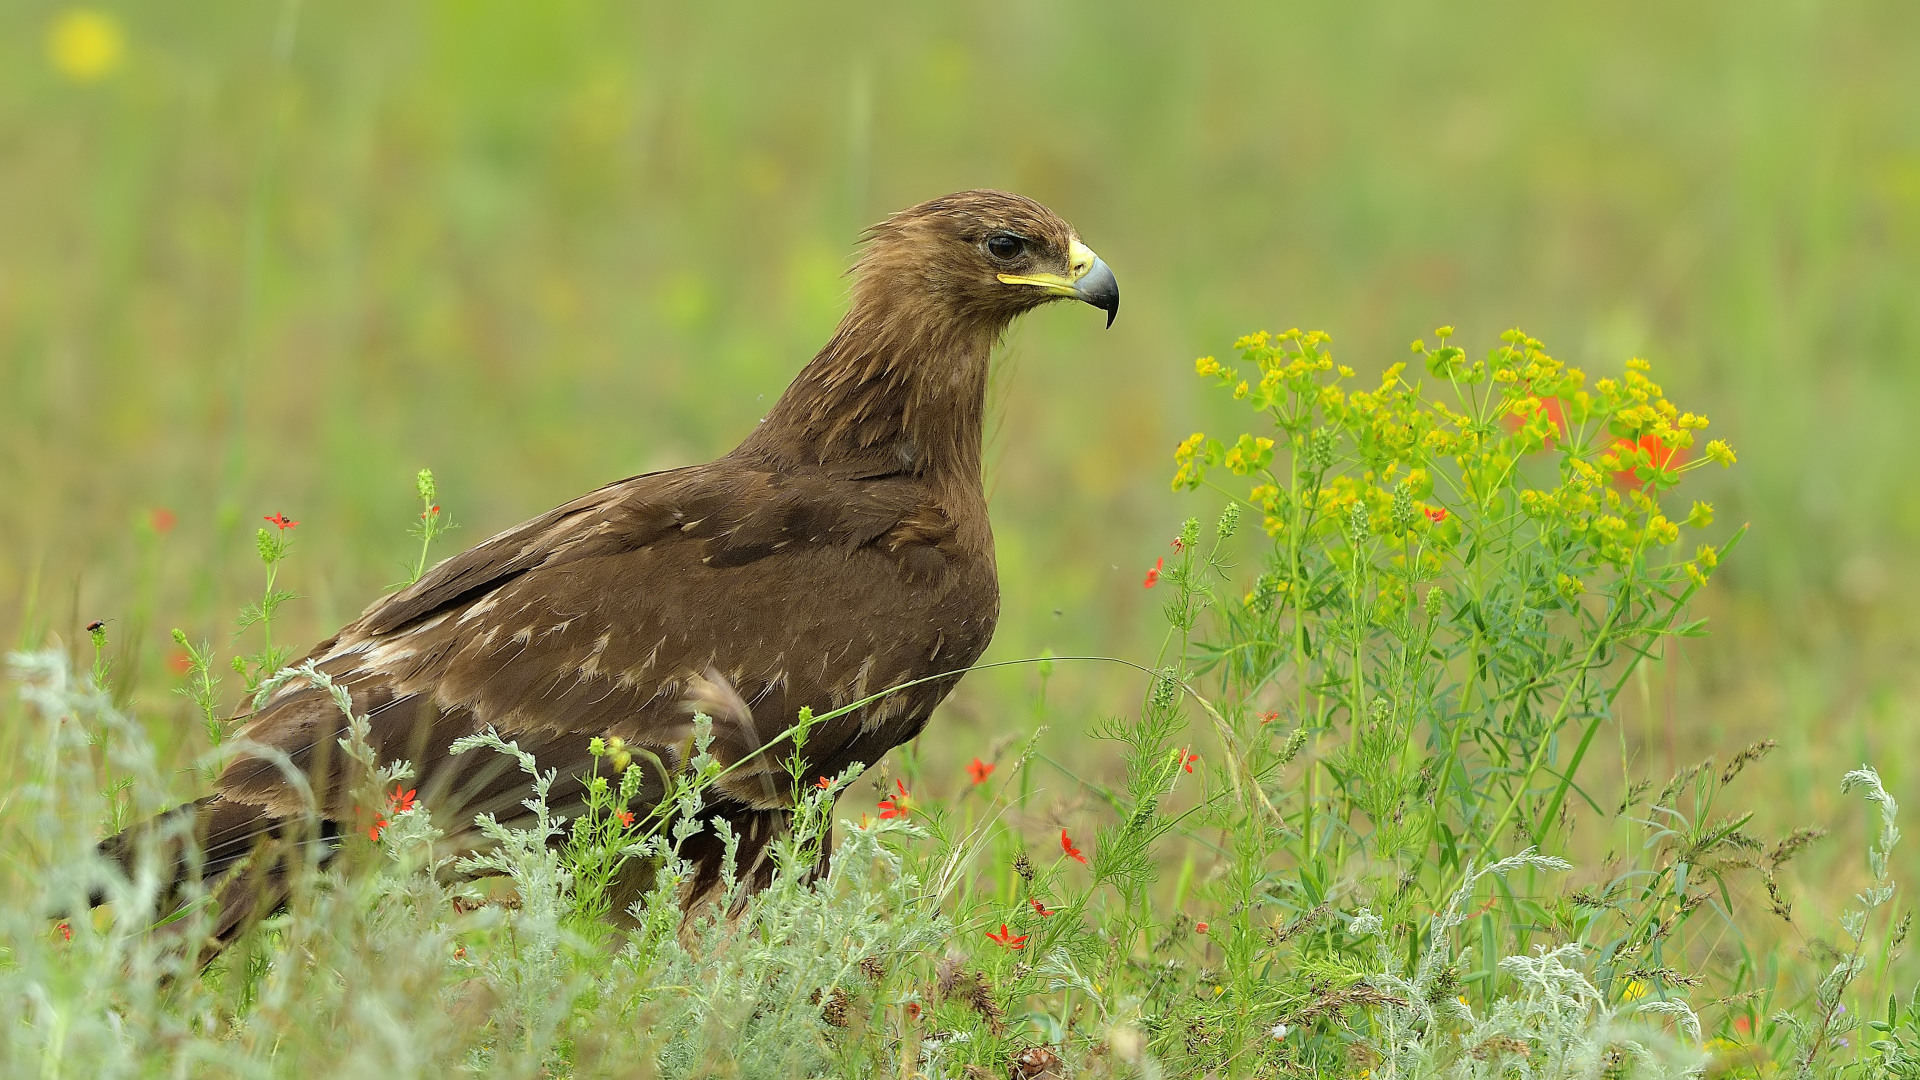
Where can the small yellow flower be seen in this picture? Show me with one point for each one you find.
(1635, 989)
(1707, 557)
(1445, 332)
(1719, 451)
(1345, 371)
(85, 45)
(1702, 515)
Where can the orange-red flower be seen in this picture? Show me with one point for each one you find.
(979, 770)
(66, 931)
(1188, 760)
(1038, 907)
(398, 802)
(1066, 845)
(180, 661)
(823, 783)
(280, 521)
(1435, 514)
(913, 1010)
(1556, 414)
(1200, 928)
(161, 519)
(1153, 574)
(1269, 717)
(1006, 937)
(625, 817)
(1659, 454)
(895, 806)
(430, 511)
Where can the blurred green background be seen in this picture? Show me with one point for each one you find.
(274, 257)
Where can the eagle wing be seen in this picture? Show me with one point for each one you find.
(738, 592)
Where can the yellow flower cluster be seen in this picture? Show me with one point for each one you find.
(1333, 445)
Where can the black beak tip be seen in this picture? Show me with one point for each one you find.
(1100, 289)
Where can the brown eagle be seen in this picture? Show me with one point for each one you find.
(840, 550)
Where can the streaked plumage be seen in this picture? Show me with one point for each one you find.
(841, 549)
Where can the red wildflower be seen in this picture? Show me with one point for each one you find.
(1659, 453)
(895, 806)
(1179, 544)
(913, 1010)
(823, 783)
(1188, 760)
(1153, 575)
(460, 952)
(1269, 717)
(1006, 937)
(399, 802)
(1199, 928)
(1435, 514)
(1556, 414)
(430, 511)
(1066, 845)
(979, 770)
(180, 661)
(66, 932)
(1742, 1024)
(280, 522)
(1039, 907)
(625, 818)
(161, 519)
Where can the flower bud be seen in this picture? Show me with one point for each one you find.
(1320, 449)
(1358, 525)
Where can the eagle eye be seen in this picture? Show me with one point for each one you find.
(1005, 246)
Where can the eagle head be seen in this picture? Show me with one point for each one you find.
(987, 255)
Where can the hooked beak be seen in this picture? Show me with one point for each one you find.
(1090, 280)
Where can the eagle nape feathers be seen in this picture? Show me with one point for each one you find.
(840, 550)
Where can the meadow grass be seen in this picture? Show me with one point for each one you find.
(273, 258)
(1356, 828)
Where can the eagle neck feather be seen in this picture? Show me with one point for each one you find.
(901, 386)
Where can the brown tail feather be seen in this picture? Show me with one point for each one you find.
(240, 855)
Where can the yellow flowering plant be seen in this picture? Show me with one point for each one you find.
(1463, 563)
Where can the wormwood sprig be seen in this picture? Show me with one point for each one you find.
(1815, 1037)
(432, 525)
(602, 839)
(257, 667)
